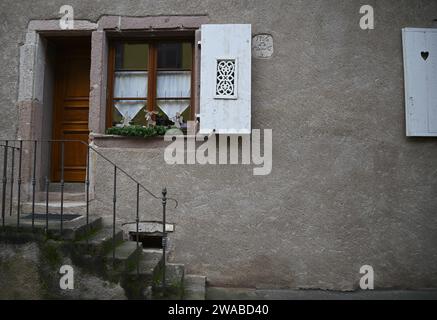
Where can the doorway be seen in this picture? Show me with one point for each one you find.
(71, 108)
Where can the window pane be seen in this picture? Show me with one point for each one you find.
(130, 84)
(131, 56)
(173, 84)
(174, 55)
(125, 111)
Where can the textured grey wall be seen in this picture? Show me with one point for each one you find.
(347, 188)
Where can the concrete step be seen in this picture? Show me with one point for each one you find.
(80, 229)
(148, 265)
(70, 207)
(56, 196)
(175, 274)
(194, 287)
(174, 289)
(100, 242)
(125, 257)
(138, 282)
(71, 187)
(73, 229)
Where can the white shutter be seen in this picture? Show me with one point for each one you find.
(420, 73)
(225, 79)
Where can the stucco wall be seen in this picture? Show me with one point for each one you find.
(347, 188)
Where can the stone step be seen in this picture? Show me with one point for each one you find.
(71, 187)
(194, 287)
(149, 264)
(138, 283)
(174, 289)
(56, 197)
(175, 274)
(126, 256)
(78, 228)
(73, 229)
(70, 207)
(100, 242)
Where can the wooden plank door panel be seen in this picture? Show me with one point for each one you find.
(71, 110)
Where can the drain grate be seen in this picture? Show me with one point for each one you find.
(52, 216)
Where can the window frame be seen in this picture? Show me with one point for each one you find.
(152, 71)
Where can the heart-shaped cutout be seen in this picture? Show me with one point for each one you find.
(425, 55)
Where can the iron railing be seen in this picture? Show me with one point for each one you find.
(31, 148)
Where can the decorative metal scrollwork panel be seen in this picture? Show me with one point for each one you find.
(226, 79)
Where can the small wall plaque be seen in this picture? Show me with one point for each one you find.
(262, 46)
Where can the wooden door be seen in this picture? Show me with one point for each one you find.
(71, 108)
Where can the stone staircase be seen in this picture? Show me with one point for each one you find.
(94, 248)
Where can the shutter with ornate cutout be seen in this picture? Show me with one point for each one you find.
(225, 79)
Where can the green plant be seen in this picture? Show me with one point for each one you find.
(138, 131)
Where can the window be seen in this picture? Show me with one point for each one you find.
(152, 77)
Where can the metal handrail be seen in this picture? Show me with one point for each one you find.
(101, 155)
(117, 169)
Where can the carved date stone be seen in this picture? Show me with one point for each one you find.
(262, 46)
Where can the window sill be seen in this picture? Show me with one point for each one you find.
(115, 141)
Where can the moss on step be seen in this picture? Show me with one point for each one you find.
(134, 286)
(87, 235)
(174, 286)
(110, 245)
(20, 235)
(99, 263)
(51, 252)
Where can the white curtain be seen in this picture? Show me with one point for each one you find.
(171, 107)
(170, 84)
(130, 84)
(129, 108)
(173, 84)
